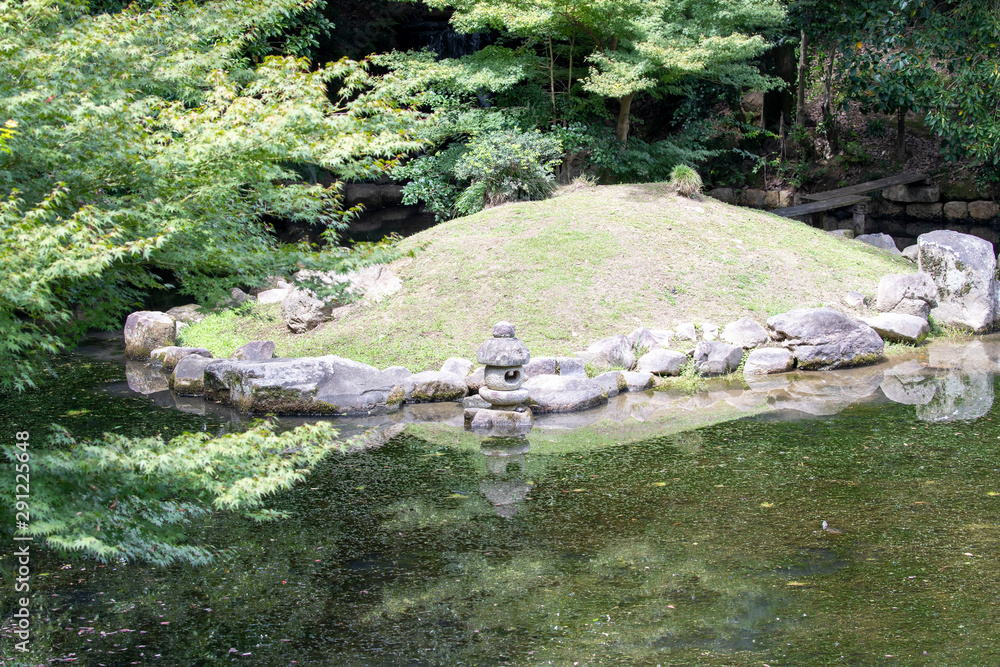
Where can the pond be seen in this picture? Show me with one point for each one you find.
(804, 530)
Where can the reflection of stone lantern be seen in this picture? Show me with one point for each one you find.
(504, 491)
(504, 357)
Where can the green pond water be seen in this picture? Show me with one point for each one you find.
(698, 547)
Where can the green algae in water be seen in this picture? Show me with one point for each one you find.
(705, 547)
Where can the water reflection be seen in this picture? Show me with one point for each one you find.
(505, 460)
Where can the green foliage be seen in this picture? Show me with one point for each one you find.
(941, 59)
(507, 166)
(152, 151)
(685, 180)
(132, 498)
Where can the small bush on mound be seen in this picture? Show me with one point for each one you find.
(507, 166)
(685, 180)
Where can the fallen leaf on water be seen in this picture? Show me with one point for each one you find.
(659, 483)
(767, 504)
(796, 583)
(457, 495)
(578, 490)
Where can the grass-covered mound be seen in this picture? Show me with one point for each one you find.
(575, 268)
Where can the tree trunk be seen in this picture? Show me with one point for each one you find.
(901, 134)
(828, 120)
(552, 74)
(621, 130)
(800, 107)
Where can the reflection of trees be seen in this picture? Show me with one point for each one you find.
(131, 499)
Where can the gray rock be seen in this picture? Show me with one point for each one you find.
(572, 366)
(189, 314)
(611, 352)
(145, 378)
(883, 241)
(686, 332)
(637, 381)
(540, 366)
(956, 210)
(709, 331)
(188, 378)
(643, 339)
(662, 362)
(983, 210)
(237, 297)
(662, 336)
(912, 252)
(716, 357)
(434, 387)
(272, 295)
(399, 373)
(767, 360)
(612, 383)
(745, 333)
(825, 339)
(476, 379)
(855, 299)
(899, 328)
(963, 268)
(959, 397)
(559, 393)
(457, 366)
(726, 195)
(908, 194)
(373, 283)
(302, 310)
(505, 352)
(987, 234)
(169, 356)
(924, 211)
(753, 198)
(255, 350)
(907, 294)
(307, 385)
(843, 233)
(145, 331)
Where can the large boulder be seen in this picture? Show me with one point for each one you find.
(398, 373)
(767, 360)
(434, 386)
(572, 366)
(963, 267)
(716, 357)
(745, 333)
(907, 294)
(255, 350)
(171, 354)
(662, 362)
(188, 378)
(328, 385)
(611, 352)
(302, 310)
(824, 338)
(145, 331)
(899, 328)
(560, 393)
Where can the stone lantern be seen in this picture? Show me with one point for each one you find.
(504, 357)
